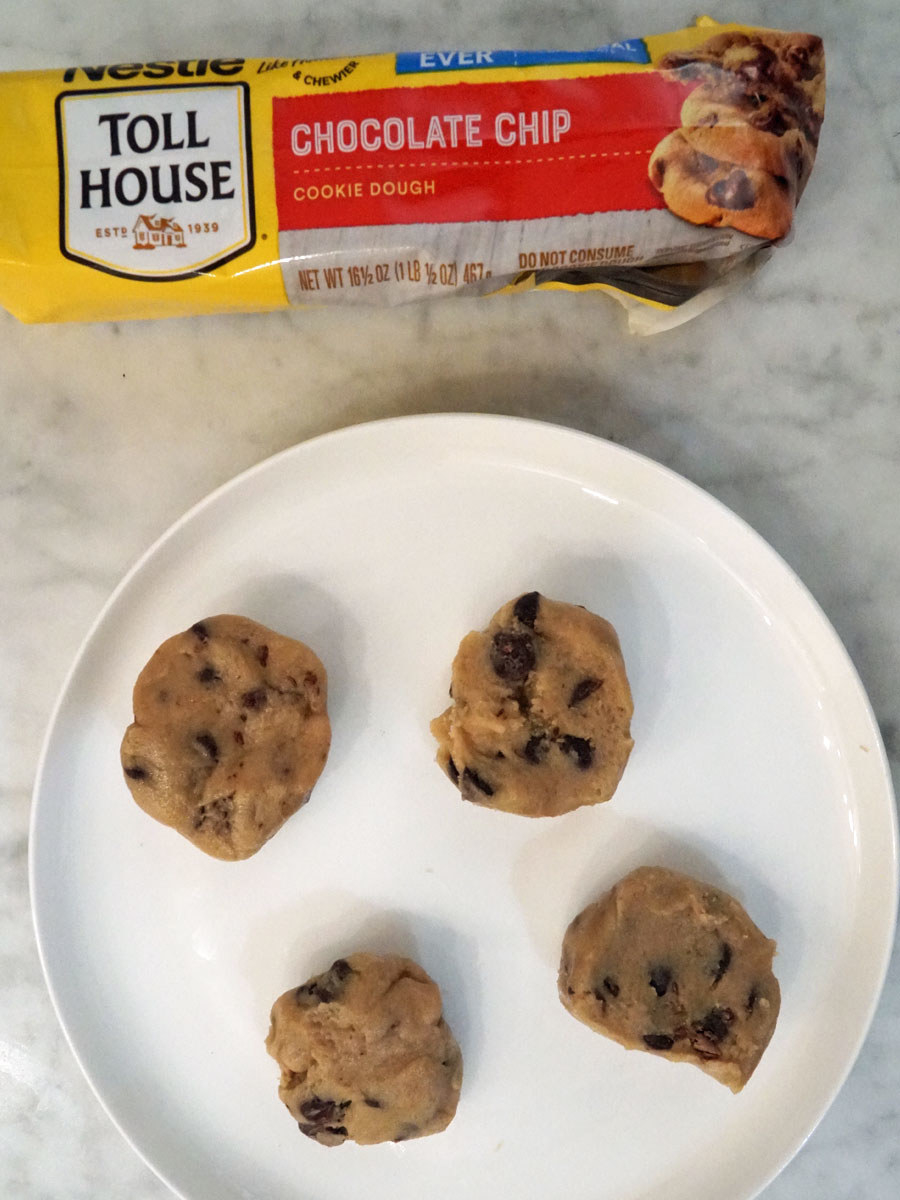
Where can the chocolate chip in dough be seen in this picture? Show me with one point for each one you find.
(660, 980)
(206, 743)
(512, 656)
(473, 779)
(526, 608)
(537, 748)
(583, 689)
(578, 749)
(659, 1041)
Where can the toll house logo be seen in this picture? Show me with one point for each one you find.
(162, 169)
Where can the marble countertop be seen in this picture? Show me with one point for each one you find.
(782, 402)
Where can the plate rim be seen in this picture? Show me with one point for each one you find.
(366, 429)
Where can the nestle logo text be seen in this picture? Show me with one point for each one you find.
(194, 68)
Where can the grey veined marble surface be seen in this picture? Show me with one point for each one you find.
(782, 402)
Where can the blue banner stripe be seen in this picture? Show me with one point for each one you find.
(632, 51)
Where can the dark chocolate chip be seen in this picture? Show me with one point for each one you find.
(707, 165)
(326, 987)
(137, 773)
(320, 1117)
(209, 674)
(526, 607)
(372, 1103)
(262, 655)
(254, 699)
(611, 986)
(238, 737)
(536, 748)
(474, 779)
(314, 1131)
(659, 1041)
(453, 771)
(660, 979)
(734, 192)
(752, 999)
(715, 1024)
(208, 744)
(321, 1111)
(200, 631)
(512, 655)
(583, 689)
(723, 964)
(578, 749)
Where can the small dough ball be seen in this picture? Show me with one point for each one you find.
(541, 713)
(666, 964)
(230, 734)
(365, 1053)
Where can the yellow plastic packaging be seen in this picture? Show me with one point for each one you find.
(655, 169)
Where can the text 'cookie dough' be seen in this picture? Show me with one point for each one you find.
(230, 733)
(365, 1053)
(541, 712)
(666, 964)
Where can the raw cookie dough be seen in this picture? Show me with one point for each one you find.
(230, 733)
(540, 719)
(365, 1053)
(667, 964)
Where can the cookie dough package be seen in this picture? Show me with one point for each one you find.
(658, 169)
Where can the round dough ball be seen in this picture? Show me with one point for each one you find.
(365, 1053)
(230, 734)
(666, 964)
(541, 712)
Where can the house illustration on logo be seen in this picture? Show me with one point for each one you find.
(151, 231)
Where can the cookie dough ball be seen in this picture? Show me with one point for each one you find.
(666, 964)
(230, 734)
(365, 1053)
(541, 712)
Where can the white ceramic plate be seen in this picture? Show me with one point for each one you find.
(757, 766)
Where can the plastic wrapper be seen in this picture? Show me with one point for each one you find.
(660, 170)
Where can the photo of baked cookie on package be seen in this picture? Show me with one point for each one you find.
(749, 130)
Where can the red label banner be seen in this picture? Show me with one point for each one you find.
(471, 152)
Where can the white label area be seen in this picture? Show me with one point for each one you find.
(155, 182)
(393, 264)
